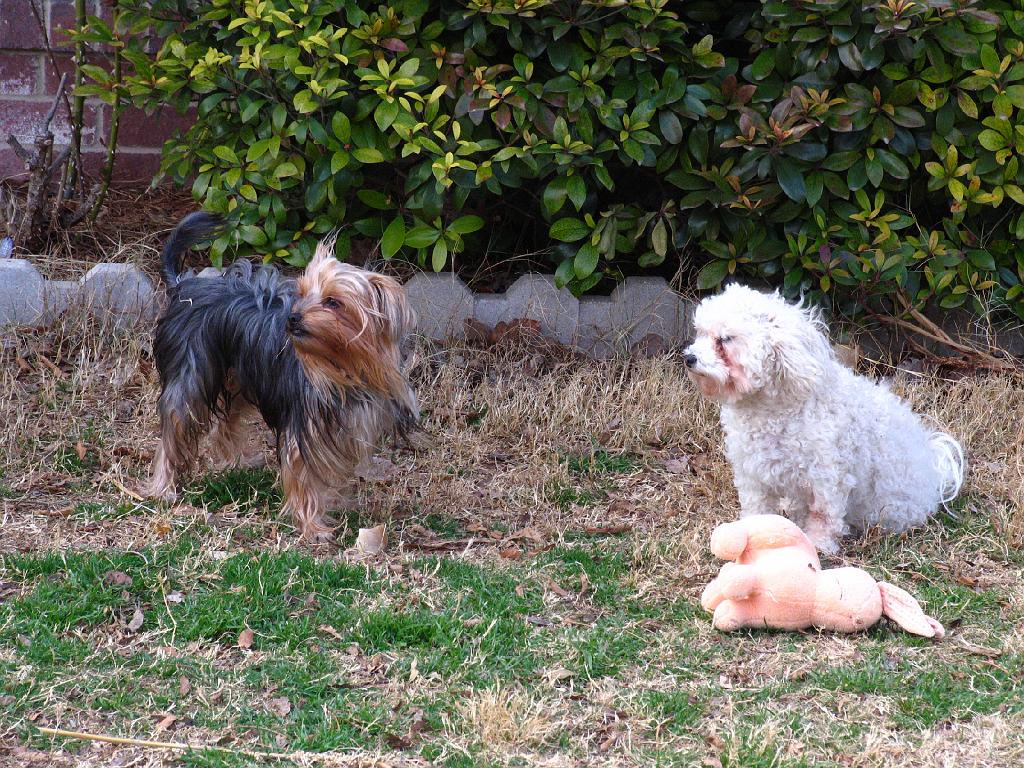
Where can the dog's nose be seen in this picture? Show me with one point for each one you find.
(690, 359)
(294, 321)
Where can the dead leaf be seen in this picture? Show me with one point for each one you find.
(521, 330)
(280, 706)
(371, 541)
(510, 554)
(166, 723)
(8, 588)
(477, 331)
(414, 670)
(608, 530)
(557, 675)
(53, 368)
(520, 590)
(175, 597)
(117, 579)
(530, 533)
(606, 434)
(327, 628)
(184, 686)
(678, 466)
(979, 650)
(554, 587)
(80, 450)
(137, 618)
(397, 743)
(245, 638)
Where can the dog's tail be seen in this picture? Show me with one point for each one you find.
(950, 463)
(193, 229)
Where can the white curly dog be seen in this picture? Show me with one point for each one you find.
(806, 436)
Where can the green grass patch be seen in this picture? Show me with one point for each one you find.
(934, 694)
(565, 496)
(93, 511)
(459, 624)
(600, 462)
(248, 488)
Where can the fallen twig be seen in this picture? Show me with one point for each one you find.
(925, 327)
(126, 491)
(180, 746)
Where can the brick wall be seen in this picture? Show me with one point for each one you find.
(28, 80)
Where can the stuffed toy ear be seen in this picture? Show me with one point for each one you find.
(729, 540)
(901, 607)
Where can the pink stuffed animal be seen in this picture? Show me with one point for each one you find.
(776, 581)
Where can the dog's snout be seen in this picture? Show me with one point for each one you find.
(294, 322)
(690, 359)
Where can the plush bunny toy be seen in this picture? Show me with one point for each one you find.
(776, 581)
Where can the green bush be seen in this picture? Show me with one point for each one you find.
(870, 152)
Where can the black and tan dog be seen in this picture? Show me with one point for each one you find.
(319, 359)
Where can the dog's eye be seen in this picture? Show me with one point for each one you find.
(331, 303)
(724, 339)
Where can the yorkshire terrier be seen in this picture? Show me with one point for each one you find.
(318, 358)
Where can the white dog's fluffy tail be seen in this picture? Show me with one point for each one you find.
(950, 462)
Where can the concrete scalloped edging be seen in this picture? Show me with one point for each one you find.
(600, 326)
(119, 291)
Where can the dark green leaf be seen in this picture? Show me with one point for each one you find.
(712, 274)
(394, 238)
(569, 230)
(791, 178)
(586, 261)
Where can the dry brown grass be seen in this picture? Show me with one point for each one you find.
(504, 428)
(504, 720)
(499, 426)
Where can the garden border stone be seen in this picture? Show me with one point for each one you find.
(638, 310)
(600, 326)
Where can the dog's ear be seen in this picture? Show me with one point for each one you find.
(391, 306)
(800, 348)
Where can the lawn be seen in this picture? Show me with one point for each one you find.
(536, 603)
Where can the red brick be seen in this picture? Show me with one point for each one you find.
(129, 166)
(25, 119)
(19, 28)
(19, 74)
(11, 166)
(54, 67)
(62, 19)
(60, 63)
(104, 10)
(141, 130)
